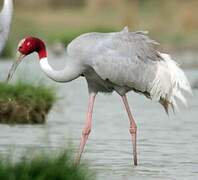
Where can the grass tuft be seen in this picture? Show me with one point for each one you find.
(25, 103)
(44, 166)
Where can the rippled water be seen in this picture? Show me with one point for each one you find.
(167, 146)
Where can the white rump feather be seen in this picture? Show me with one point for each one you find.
(170, 83)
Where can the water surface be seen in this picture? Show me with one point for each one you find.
(167, 146)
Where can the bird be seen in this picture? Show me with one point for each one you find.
(5, 22)
(115, 61)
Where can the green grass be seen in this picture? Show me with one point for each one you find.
(25, 103)
(44, 166)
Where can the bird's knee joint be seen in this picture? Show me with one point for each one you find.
(86, 131)
(133, 129)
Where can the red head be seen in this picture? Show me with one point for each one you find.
(25, 47)
(30, 45)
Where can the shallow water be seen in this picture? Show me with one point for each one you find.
(167, 146)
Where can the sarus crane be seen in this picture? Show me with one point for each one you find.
(5, 21)
(117, 61)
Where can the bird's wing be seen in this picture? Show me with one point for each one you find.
(127, 59)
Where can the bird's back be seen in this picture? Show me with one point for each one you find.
(87, 45)
(124, 42)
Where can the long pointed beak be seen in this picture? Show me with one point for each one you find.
(15, 64)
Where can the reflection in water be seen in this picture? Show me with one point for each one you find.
(167, 146)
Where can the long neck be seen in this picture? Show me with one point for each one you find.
(70, 72)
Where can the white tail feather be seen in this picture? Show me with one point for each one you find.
(170, 83)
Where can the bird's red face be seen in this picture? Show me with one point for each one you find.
(25, 47)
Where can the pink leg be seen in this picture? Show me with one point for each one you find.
(132, 130)
(87, 129)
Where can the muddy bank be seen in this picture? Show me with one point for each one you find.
(24, 103)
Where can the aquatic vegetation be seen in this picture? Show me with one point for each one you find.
(25, 103)
(44, 166)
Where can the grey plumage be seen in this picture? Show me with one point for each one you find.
(124, 61)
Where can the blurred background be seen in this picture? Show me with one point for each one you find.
(174, 23)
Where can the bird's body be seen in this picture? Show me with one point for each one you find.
(121, 58)
(5, 21)
(125, 61)
(115, 61)
(119, 61)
